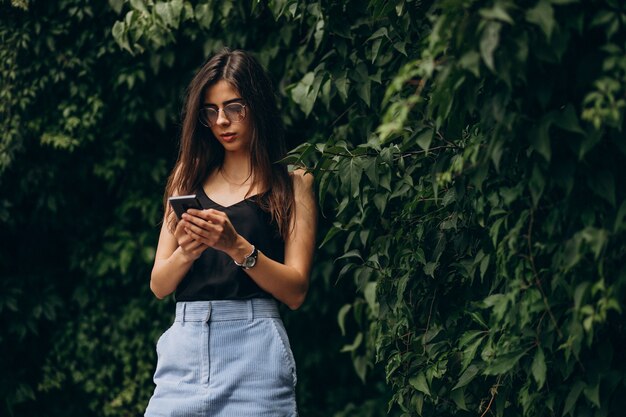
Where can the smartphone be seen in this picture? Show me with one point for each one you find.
(181, 203)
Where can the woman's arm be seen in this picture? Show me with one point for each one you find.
(174, 256)
(287, 282)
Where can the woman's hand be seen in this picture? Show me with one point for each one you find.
(210, 228)
(190, 248)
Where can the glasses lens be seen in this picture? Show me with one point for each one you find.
(208, 116)
(235, 112)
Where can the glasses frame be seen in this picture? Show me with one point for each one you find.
(217, 110)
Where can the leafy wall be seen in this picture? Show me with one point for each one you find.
(469, 158)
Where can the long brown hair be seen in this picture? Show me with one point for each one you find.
(200, 153)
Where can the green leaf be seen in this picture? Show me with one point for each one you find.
(458, 396)
(364, 90)
(620, 218)
(429, 268)
(354, 253)
(117, 5)
(119, 35)
(204, 15)
(370, 296)
(489, 42)
(595, 238)
(572, 397)
(539, 368)
(484, 265)
(567, 119)
(376, 49)
(542, 15)
(424, 139)
(603, 185)
(139, 5)
(467, 376)
(540, 139)
(497, 12)
(356, 172)
(378, 34)
(470, 352)
(504, 363)
(354, 345)
(341, 84)
(341, 317)
(468, 336)
(419, 383)
(593, 394)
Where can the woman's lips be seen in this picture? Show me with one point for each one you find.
(228, 137)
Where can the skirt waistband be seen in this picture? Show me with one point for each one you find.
(223, 310)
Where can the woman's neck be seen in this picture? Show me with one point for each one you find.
(236, 168)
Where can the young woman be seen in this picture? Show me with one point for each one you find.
(227, 352)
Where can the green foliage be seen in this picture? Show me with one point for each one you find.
(468, 156)
(484, 213)
(88, 137)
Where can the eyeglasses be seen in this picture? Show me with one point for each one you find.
(234, 112)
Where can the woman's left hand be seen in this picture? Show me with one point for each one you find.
(211, 227)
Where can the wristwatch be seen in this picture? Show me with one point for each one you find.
(250, 260)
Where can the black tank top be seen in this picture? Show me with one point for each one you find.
(214, 275)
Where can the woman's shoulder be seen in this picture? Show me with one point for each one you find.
(301, 178)
(302, 181)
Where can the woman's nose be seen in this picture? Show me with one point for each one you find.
(221, 118)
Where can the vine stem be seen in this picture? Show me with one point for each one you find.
(430, 313)
(536, 276)
(494, 392)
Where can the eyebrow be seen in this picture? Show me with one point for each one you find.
(227, 102)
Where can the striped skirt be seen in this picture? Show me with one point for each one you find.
(225, 358)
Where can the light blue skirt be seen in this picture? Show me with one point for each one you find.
(226, 358)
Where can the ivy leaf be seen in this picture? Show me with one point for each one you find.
(567, 119)
(119, 34)
(458, 396)
(419, 383)
(429, 269)
(497, 12)
(370, 297)
(424, 139)
(467, 377)
(593, 393)
(542, 15)
(364, 91)
(540, 139)
(503, 364)
(603, 185)
(341, 84)
(572, 397)
(620, 218)
(489, 42)
(341, 317)
(538, 368)
(354, 253)
(354, 345)
(470, 352)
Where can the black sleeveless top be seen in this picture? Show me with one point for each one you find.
(214, 275)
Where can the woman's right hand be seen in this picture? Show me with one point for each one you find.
(189, 247)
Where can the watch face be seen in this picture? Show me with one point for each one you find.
(249, 262)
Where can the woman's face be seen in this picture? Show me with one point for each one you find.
(223, 106)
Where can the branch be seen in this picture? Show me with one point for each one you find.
(536, 275)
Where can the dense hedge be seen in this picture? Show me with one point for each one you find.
(469, 158)
(88, 135)
(484, 218)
